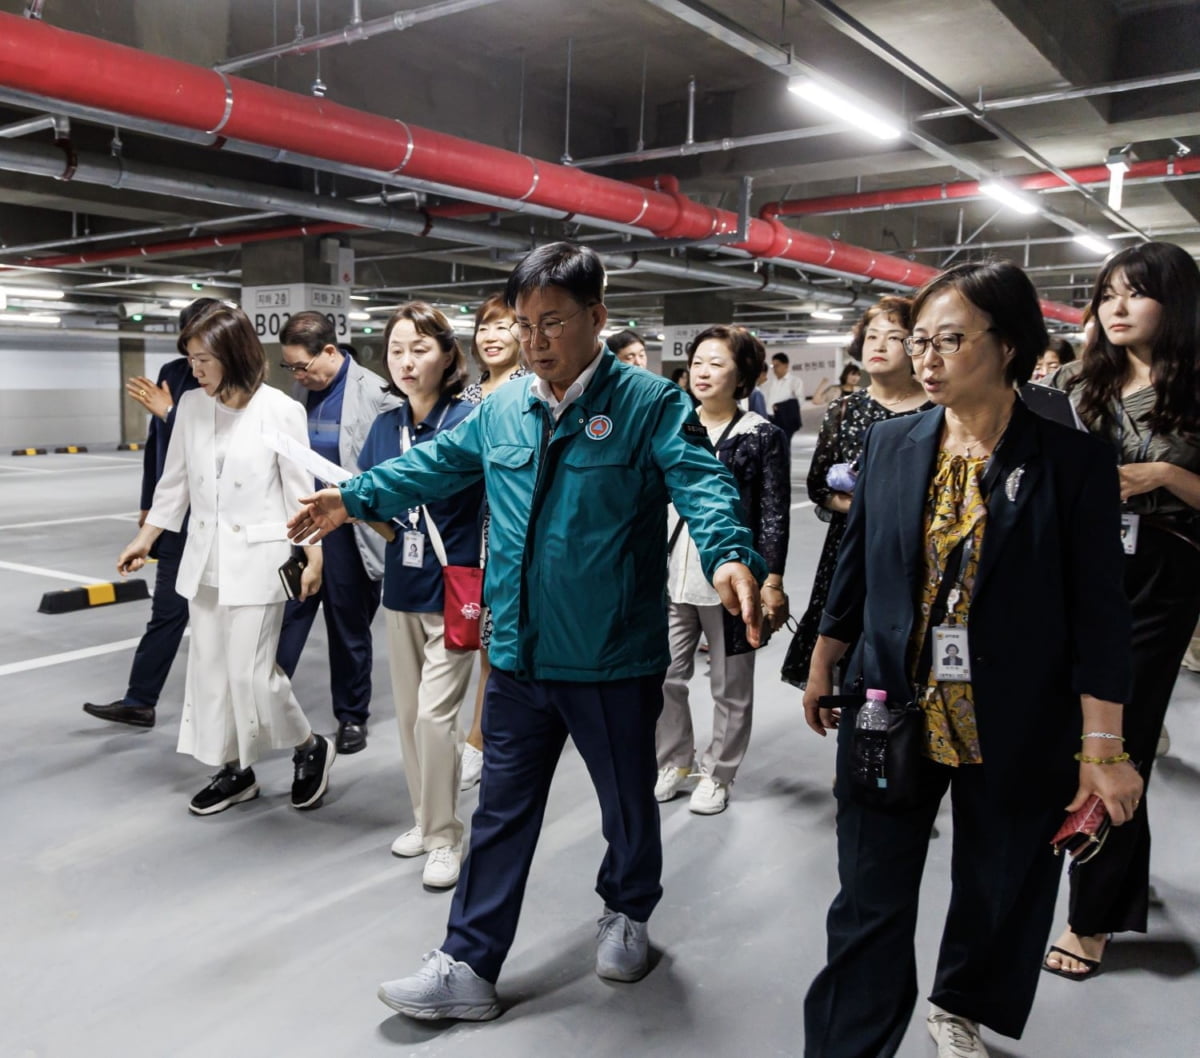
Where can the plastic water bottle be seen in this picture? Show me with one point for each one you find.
(870, 741)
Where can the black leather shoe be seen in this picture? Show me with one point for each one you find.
(120, 713)
(351, 738)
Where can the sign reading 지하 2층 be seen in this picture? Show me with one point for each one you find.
(269, 308)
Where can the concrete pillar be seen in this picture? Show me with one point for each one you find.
(131, 362)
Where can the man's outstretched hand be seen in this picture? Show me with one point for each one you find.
(739, 595)
(321, 514)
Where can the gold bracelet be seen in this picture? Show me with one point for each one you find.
(1120, 758)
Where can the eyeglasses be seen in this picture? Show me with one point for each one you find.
(293, 369)
(942, 344)
(549, 329)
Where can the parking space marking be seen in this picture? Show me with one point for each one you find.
(57, 574)
(72, 655)
(72, 521)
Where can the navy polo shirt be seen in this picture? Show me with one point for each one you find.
(405, 588)
(325, 415)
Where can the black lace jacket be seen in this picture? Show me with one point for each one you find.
(758, 459)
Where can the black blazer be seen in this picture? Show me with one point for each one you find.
(1049, 619)
(177, 374)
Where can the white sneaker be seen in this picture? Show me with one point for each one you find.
(955, 1037)
(670, 779)
(472, 766)
(410, 843)
(709, 797)
(441, 869)
(442, 988)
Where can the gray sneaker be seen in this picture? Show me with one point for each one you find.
(623, 952)
(442, 988)
(955, 1037)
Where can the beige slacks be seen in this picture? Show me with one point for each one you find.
(732, 680)
(237, 703)
(428, 686)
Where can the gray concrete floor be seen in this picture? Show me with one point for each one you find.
(130, 928)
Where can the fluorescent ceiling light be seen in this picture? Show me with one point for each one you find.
(825, 314)
(1095, 243)
(1008, 197)
(29, 317)
(829, 339)
(178, 303)
(37, 293)
(358, 315)
(881, 126)
(359, 297)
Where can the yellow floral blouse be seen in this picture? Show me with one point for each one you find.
(954, 510)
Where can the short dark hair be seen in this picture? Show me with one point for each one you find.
(432, 324)
(312, 330)
(749, 355)
(850, 368)
(780, 358)
(189, 313)
(227, 335)
(1064, 349)
(576, 269)
(889, 305)
(622, 339)
(1005, 294)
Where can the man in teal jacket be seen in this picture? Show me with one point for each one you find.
(579, 462)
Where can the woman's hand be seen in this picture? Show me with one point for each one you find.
(310, 580)
(1119, 786)
(820, 683)
(774, 606)
(155, 399)
(322, 513)
(839, 502)
(133, 557)
(1139, 478)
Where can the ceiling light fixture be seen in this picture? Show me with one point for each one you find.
(825, 314)
(359, 297)
(881, 126)
(1118, 165)
(829, 339)
(1095, 243)
(358, 315)
(29, 317)
(1008, 197)
(178, 303)
(36, 293)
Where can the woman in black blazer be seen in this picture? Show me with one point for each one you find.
(975, 486)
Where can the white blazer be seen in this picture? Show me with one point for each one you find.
(246, 509)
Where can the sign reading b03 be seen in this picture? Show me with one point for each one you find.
(269, 308)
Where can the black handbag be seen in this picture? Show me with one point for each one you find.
(290, 571)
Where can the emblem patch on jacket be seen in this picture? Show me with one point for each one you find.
(598, 427)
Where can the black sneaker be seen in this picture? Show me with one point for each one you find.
(227, 788)
(312, 773)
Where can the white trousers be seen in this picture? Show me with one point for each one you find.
(237, 704)
(429, 683)
(732, 680)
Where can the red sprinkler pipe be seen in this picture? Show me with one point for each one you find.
(59, 65)
(1092, 175)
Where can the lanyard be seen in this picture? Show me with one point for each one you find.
(406, 443)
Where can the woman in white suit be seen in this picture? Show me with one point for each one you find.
(237, 704)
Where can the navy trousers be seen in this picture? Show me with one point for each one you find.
(525, 724)
(350, 599)
(164, 632)
(1004, 879)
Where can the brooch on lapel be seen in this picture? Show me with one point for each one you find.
(1012, 484)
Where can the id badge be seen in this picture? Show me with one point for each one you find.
(1129, 532)
(414, 550)
(951, 656)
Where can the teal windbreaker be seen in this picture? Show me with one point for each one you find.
(577, 552)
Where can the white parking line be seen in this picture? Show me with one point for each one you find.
(72, 521)
(795, 506)
(72, 655)
(58, 574)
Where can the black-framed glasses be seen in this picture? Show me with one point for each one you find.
(549, 329)
(943, 344)
(293, 369)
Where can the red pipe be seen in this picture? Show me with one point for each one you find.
(203, 242)
(54, 63)
(904, 196)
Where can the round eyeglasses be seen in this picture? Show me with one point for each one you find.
(549, 329)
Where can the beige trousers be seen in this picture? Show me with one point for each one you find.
(428, 686)
(732, 681)
(237, 703)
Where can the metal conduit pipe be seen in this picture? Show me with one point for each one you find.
(23, 128)
(355, 30)
(1154, 170)
(75, 69)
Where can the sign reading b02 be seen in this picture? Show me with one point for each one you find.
(269, 308)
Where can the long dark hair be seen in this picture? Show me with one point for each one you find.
(1166, 273)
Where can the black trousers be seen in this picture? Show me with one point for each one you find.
(350, 599)
(1110, 894)
(164, 632)
(1004, 879)
(525, 725)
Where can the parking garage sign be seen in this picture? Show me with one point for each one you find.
(269, 308)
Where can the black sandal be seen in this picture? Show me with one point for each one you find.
(1093, 965)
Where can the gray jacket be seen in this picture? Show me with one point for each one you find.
(363, 400)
